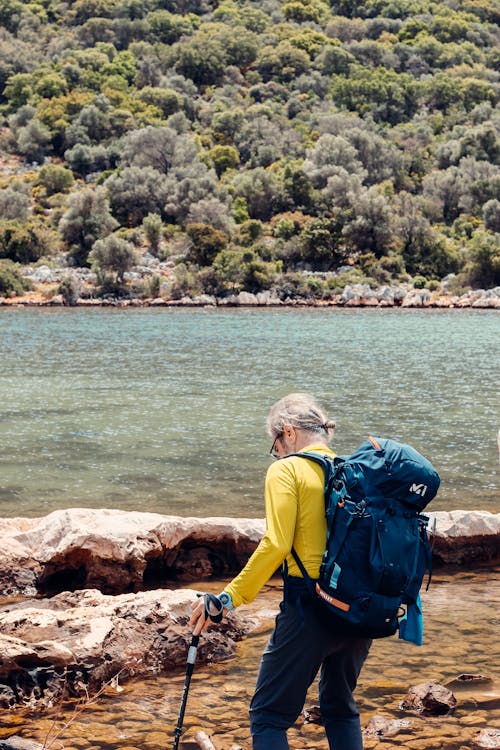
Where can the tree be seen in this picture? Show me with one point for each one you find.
(331, 155)
(161, 148)
(424, 250)
(166, 100)
(283, 62)
(87, 219)
(371, 225)
(135, 192)
(491, 214)
(213, 212)
(223, 158)
(386, 95)
(153, 229)
(113, 254)
(33, 141)
(14, 204)
(203, 60)
(261, 190)
(483, 264)
(207, 242)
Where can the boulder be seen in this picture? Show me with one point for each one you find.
(77, 641)
(429, 699)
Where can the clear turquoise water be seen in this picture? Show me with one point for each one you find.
(164, 410)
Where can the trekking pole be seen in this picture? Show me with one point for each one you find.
(189, 671)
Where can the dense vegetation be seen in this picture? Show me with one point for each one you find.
(249, 143)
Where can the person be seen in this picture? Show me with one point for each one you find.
(301, 643)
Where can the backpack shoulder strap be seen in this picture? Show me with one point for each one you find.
(330, 467)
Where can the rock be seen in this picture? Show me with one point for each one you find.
(475, 690)
(118, 551)
(77, 641)
(41, 275)
(381, 727)
(246, 298)
(460, 536)
(17, 743)
(203, 741)
(7, 697)
(205, 300)
(312, 715)
(489, 738)
(417, 298)
(57, 300)
(429, 699)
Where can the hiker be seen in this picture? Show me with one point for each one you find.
(301, 644)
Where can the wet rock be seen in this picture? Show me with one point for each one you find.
(312, 715)
(7, 697)
(475, 690)
(380, 727)
(77, 641)
(489, 738)
(429, 699)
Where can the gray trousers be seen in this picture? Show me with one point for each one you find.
(300, 645)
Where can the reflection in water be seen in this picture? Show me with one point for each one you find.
(461, 620)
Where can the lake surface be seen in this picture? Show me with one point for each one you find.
(164, 410)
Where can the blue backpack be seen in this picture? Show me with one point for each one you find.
(377, 549)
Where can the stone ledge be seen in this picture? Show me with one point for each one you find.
(120, 551)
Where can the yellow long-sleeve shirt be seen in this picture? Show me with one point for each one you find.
(295, 516)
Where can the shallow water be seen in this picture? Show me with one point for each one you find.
(164, 410)
(461, 636)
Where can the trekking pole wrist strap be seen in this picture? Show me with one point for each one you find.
(214, 608)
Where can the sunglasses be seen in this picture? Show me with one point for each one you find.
(273, 452)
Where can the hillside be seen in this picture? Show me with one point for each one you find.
(293, 147)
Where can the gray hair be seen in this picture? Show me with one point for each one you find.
(300, 410)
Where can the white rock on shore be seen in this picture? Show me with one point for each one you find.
(118, 551)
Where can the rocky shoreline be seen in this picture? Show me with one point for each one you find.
(352, 297)
(46, 282)
(89, 594)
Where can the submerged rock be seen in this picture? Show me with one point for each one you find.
(18, 743)
(429, 699)
(380, 727)
(489, 738)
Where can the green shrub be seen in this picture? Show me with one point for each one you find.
(71, 289)
(55, 179)
(419, 282)
(11, 281)
(26, 242)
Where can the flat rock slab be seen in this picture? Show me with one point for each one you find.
(119, 551)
